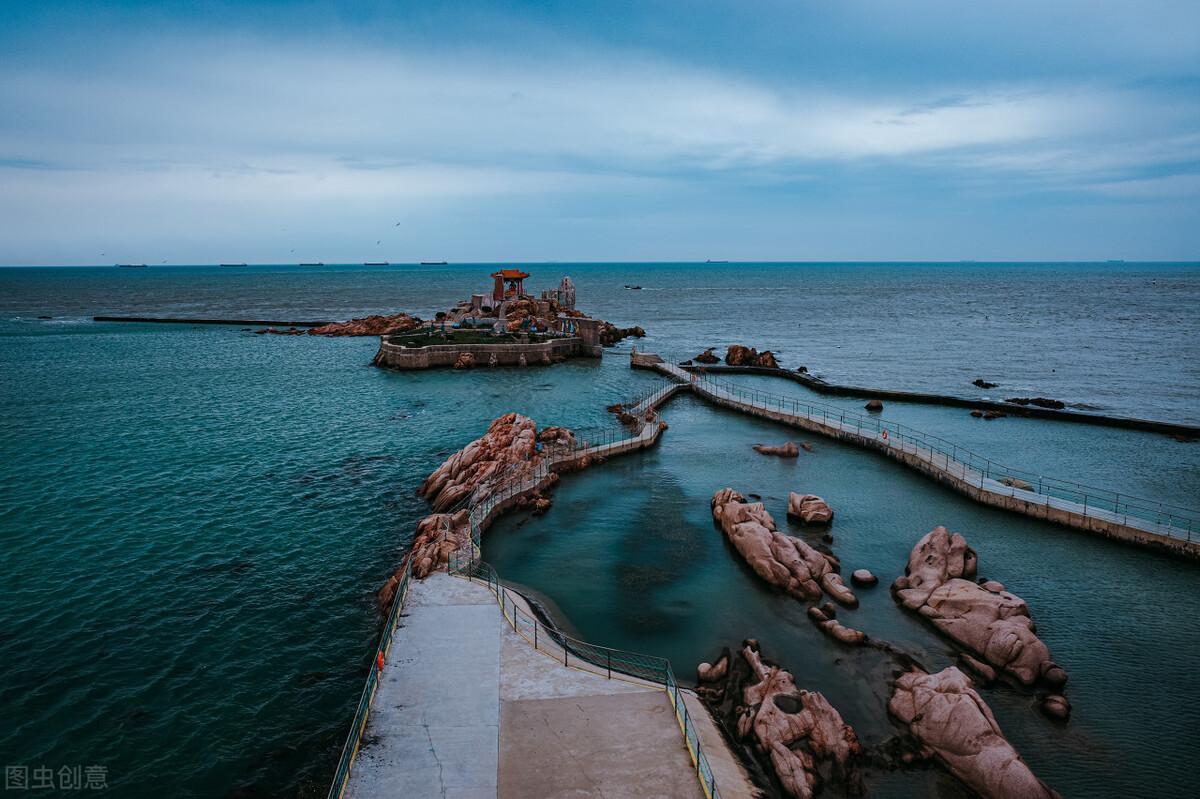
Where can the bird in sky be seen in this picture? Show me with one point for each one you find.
(378, 242)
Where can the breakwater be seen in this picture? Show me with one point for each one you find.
(1171, 529)
(181, 320)
(396, 356)
(900, 395)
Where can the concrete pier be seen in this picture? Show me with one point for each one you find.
(466, 707)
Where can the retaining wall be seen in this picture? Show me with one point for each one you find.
(394, 356)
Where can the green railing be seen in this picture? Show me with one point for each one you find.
(341, 777)
(1173, 520)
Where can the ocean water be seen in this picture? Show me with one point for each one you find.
(194, 519)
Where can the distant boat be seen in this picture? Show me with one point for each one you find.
(230, 265)
(433, 263)
(711, 261)
(1115, 261)
(376, 263)
(635, 288)
(131, 266)
(318, 263)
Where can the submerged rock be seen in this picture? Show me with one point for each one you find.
(782, 560)
(824, 619)
(1040, 402)
(788, 450)
(981, 383)
(809, 508)
(989, 621)
(1056, 706)
(949, 718)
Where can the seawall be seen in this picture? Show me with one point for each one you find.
(394, 356)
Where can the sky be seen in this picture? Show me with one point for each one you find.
(275, 132)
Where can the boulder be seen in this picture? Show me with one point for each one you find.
(834, 628)
(863, 577)
(981, 383)
(738, 355)
(874, 406)
(788, 450)
(949, 718)
(781, 560)
(809, 508)
(1040, 402)
(990, 622)
(977, 413)
(465, 360)
(1056, 706)
(707, 356)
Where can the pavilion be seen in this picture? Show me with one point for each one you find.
(510, 284)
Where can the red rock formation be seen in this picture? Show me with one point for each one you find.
(781, 560)
(507, 450)
(374, 325)
(953, 723)
(834, 628)
(737, 355)
(788, 450)
(989, 621)
(610, 334)
(809, 508)
(707, 357)
(792, 727)
(437, 537)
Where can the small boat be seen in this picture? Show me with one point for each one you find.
(711, 261)
(318, 263)
(376, 263)
(227, 266)
(433, 263)
(131, 266)
(633, 288)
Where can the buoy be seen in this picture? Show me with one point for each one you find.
(379, 660)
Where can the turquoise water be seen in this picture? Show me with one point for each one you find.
(195, 519)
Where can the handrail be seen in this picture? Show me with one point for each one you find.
(341, 777)
(1180, 522)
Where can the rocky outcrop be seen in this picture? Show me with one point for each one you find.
(990, 622)
(809, 508)
(874, 406)
(952, 723)
(981, 383)
(796, 730)
(506, 452)
(436, 538)
(834, 628)
(1040, 402)
(374, 325)
(707, 356)
(737, 355)
(610, 334)
(788, 450)
(781, 560)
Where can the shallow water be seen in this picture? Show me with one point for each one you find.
(194, 519)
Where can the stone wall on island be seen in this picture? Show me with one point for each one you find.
(395, 356)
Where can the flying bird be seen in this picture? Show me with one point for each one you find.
(378, 242)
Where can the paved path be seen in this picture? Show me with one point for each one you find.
(467, 708)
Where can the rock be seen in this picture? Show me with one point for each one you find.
(977, 413)
(874, 406)
(993, 624)
(707, 356)
(833, 585)
(1040, 402)
(986, 673)
(465, 360)
(991, 585)
(781, 560)
(796, 730)
(981, 383)
(507, 451)
(1016, 482)
(706, 672)
(946, 715)
(809, 508)
(835, 629)
(863, 577)
(1056, 706)
(737, 355)
(807, 447)
(788, 450)
(374, 325)
(610, 334)
(990, 415)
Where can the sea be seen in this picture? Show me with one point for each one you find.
(194, 520)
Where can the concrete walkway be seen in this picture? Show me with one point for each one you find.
(467, 708)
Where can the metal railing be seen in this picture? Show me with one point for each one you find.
(341, 776)
(1176, 521)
